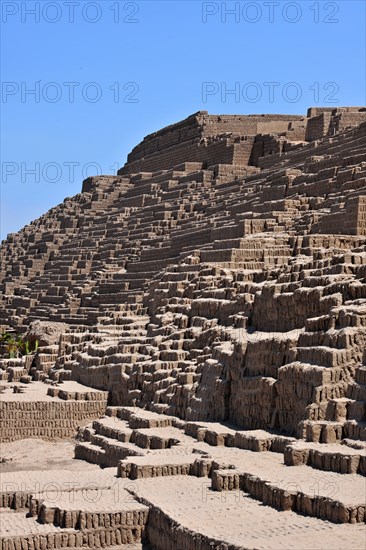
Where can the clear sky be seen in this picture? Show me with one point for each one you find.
(83, 82)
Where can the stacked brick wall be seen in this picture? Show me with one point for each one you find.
(187, 140)
(46, 420)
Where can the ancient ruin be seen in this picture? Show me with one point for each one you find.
(183, 357)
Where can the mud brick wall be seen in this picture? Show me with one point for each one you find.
(187, 141)
(132, 252)
(347, 119)
(252, 402)
(295, 389)
(92, 538)
(78, 519)
(354, 217)
(283, 312)
(101, 183)
(202, 124)
(360, 207)
(325, 122)
(165, 533)
(318, 126)
(350, 220)
(224, 151)
(278, 497)
(316, 111)
(266, 144)
(248, 125)
(46, 420)
(346, 462)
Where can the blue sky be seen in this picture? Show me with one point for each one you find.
(106, 73)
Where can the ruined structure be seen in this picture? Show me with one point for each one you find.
(212, 304)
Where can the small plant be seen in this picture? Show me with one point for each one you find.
(4, 339)
(27, 347)
(13, 346)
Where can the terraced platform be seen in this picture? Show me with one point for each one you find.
(201, 321)
(39, 410)
(182, 494)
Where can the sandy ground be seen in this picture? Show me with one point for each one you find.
(36, 454)
(232, 516)
(237, 519)
(349, 489)
(37, 391)
(38, 465)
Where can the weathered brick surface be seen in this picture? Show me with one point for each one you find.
(220, 276)
(38, 412)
